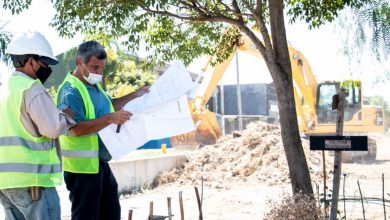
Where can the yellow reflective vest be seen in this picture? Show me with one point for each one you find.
(25, 160)
(81, 154)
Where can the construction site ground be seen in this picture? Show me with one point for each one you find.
(241, 175)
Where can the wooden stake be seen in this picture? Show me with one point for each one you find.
(199, 203)
(181, 205)
(169, 208)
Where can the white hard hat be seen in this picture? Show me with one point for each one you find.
(32, 42)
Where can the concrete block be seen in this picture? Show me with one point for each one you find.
(140, 169)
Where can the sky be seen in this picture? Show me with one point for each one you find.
(320, 46)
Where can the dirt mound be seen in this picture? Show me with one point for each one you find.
(255, 154)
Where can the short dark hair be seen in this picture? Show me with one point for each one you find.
(20, 60)
(89, 49)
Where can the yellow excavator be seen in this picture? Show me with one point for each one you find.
(313, 103)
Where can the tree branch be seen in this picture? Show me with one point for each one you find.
(194, 6)
(238, 11)
(249, 6)
(263, 31)
(201, 18)
(259, 7)
(259, 45)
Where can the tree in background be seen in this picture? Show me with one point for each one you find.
(5, 37)
(15, 6)
(128, 78)
(380, 101)
(368, 26)
(123, 72)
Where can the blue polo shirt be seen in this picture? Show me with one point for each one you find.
(71, 97)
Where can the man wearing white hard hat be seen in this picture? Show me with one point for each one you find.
(29, 164)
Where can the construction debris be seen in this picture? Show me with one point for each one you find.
(255, 155)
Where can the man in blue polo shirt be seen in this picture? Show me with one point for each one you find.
(88, 177)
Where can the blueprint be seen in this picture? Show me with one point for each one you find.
(163, 112)
(175, 82)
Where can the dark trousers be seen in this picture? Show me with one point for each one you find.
(93, 196)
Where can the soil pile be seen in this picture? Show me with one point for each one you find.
(256, 154)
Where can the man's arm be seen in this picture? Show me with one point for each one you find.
(92, 126)
(69, 96)
(118, 103)
(49, 121)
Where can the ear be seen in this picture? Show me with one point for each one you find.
(30, 61)
(79, 61)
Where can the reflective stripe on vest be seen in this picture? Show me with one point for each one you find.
(81, 154)
(30, 168)
(25, 160)
(18, 141)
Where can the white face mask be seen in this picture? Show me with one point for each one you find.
(92, 78)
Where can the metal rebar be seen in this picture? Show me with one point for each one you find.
(169, 208)
(199, 203)
(383, 195)
(345, 210)
(361, 198)
(151, 211)
(324, 174)
(181, 205)
(130, 216)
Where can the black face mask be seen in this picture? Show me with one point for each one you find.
(43, 73)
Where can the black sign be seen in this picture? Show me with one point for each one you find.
(344, 143)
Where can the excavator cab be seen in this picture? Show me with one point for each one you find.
(325, 92)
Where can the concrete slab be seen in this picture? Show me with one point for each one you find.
(139, 169)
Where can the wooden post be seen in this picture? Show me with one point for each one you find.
(339, 101)
(169, 208)
(181, 205)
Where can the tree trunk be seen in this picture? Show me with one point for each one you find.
(299, 172)
(282, 75)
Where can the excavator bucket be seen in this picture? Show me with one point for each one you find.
(207, 131)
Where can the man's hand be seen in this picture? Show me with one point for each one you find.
(141, 91)
(68, 111)
(120, 117)
(122, 101)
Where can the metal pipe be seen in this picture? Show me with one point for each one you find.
(239, 106)
(222, 95)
